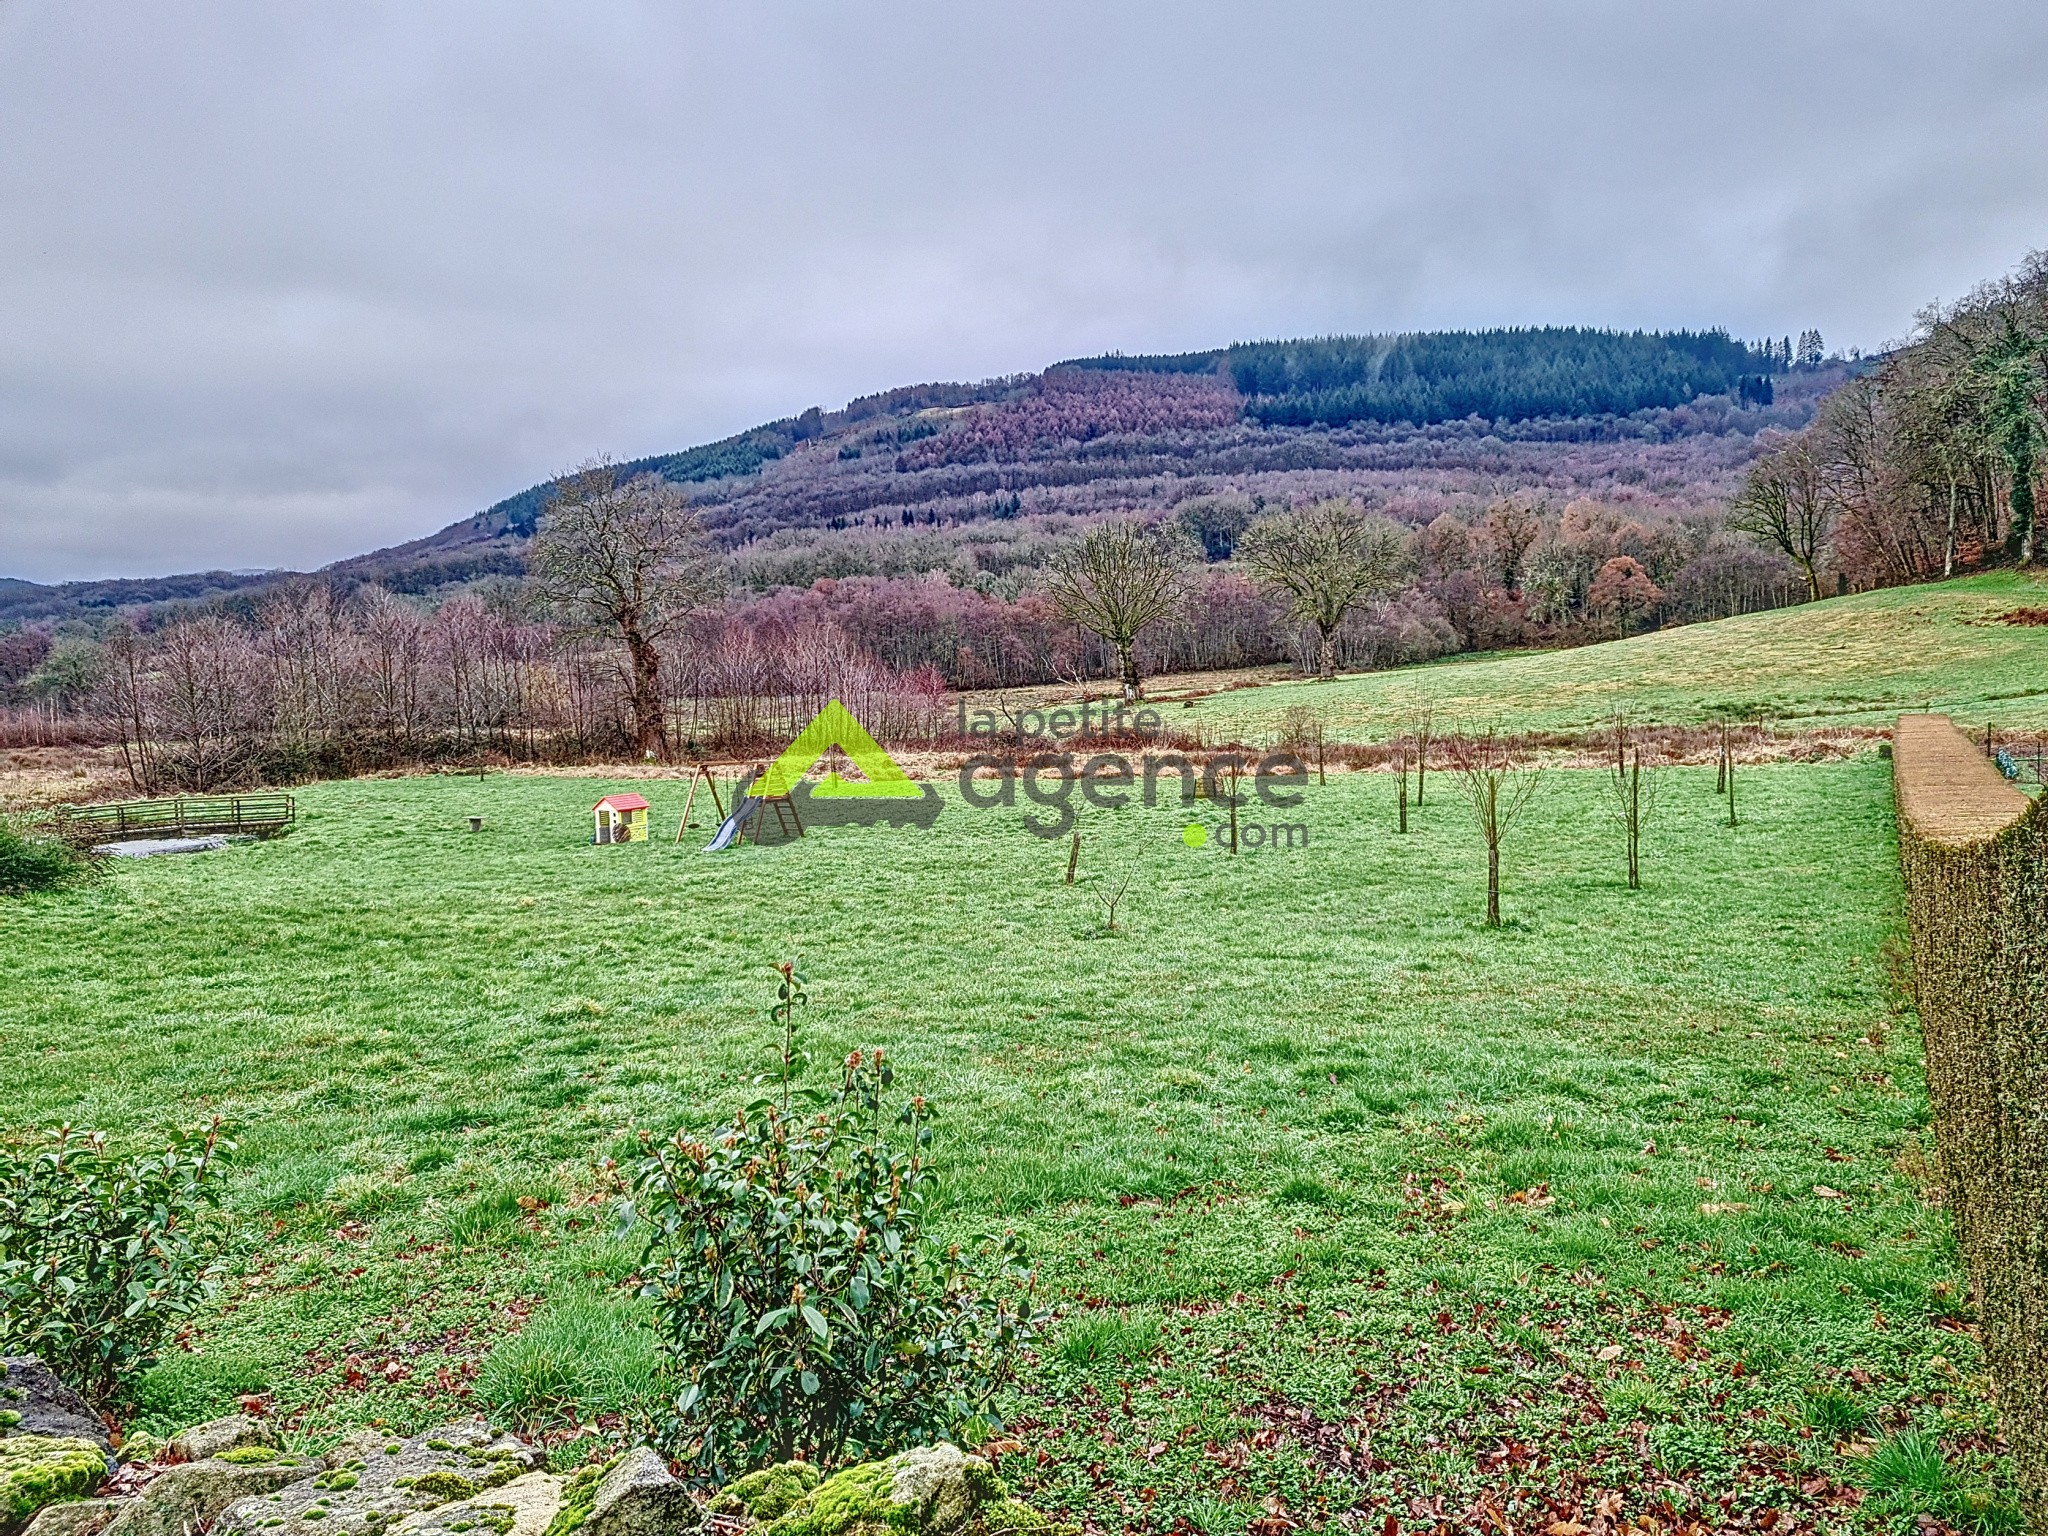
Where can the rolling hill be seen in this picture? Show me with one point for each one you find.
(1665, 417)
(1849, 661)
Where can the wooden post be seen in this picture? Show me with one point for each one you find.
(1731, 786)
(1402, 759)
(1635, 823)
(1236, 770)
(1073, 858)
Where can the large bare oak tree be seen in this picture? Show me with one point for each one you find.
(1323, 559)
(625, 559)
(1121, 579)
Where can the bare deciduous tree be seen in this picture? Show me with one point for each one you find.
(393, 651)
(1110, 893)
(1786, 505)
(208, 688)
(1121, 579)
(1498, 785)
(1322, 559)
(1512, 527)
(625, 559)
(125, 697)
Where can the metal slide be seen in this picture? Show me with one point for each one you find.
(733, 823)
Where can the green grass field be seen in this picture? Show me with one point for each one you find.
(1347, 1201)
(1852, 661)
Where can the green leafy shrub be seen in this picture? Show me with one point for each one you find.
(100, 1257)
(29, 863)
(807, 1310)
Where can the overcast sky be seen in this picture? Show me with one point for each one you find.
(284, 282)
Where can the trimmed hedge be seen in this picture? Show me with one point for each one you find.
(1974, 852)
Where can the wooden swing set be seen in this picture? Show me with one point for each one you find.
(786, 815)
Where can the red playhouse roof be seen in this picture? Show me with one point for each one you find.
(620, 803)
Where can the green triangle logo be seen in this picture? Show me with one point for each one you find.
(834, 726)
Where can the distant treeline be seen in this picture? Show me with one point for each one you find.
(1086, 435)
(1500, 375)
(327, 676)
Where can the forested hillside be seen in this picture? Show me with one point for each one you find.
(1535, 487)
(1418, 419)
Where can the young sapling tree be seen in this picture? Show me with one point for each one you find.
(1632, 795)
(1110, 892)
(1422, 728)
(1498, 786)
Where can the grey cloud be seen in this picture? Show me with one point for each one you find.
(284, 282)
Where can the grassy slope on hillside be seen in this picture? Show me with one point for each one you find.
(1848, 661)
(1327, 1176)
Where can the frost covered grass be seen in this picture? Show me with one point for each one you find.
(1350, 1203)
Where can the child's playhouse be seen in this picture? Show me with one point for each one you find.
(620, 819)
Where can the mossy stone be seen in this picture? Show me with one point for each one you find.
(855, 1502)
(932, 1491)
(42, 1469)
(770, 1492)
(578, 1494)
(445, 1485)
